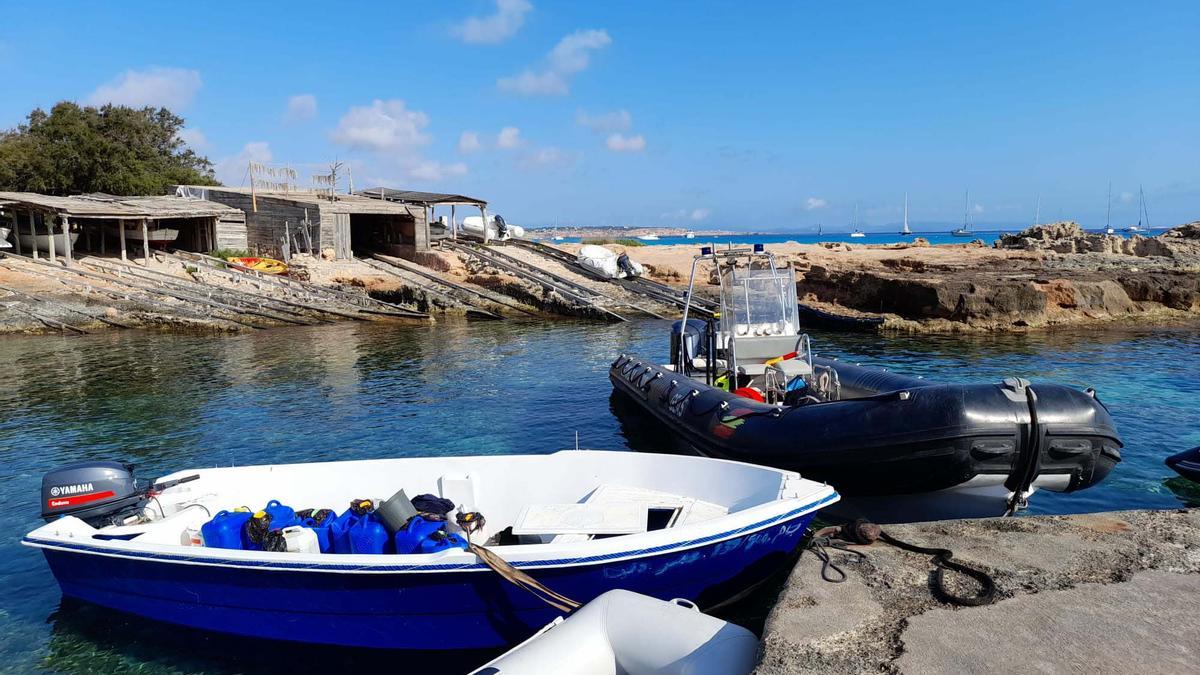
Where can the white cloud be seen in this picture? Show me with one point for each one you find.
(569, 57)
(434, 171)
(193, 138)
(172, 88)
(978, 208)
(814, 203)
(699, 214)
(1126, 197)
(233, 170)
(494, 28)
(468, 142)
(623, 143)
(382, 126)
(300, 107)
(509, 138)
(541, 157)
(618, 120)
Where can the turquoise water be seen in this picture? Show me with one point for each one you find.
(939, 237)
(168, 402)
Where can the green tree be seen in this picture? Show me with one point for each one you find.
(113, 149)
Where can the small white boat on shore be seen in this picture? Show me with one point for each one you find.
(473, 225)
(159, 236)
(632, 634)
(42, 241)
(4, 232)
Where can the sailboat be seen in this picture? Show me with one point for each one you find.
(904, 231)
(855, 232)
(965, 230)
(1108, 229)
(1141, 211)
(818, 229)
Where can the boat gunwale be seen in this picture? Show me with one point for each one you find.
(259, 560)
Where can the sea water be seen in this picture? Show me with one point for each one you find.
(353, 391)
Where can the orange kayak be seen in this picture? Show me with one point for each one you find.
(265, 265)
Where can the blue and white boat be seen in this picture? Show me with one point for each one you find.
(579, 522)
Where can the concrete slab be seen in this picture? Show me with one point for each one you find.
(858, 625)
(1145, 625)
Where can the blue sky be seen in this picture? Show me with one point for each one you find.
(756, 116)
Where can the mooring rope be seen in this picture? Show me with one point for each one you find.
(518, 578)
(862, 531)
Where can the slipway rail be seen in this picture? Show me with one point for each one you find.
(641, 286)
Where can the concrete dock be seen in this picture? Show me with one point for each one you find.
(1097, 593)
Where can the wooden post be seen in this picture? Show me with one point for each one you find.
(33, 233)
(103, 237)
(145, 243)
(47, 221)
(483, 210)
(66, 230)
(17, 230)
(121, 232)
(453, 224)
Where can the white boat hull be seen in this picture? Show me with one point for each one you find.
(156, 235)
(42, 242)
(624, 632)
(473, 225)
(4, 232)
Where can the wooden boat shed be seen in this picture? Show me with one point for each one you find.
(99, 223)
(333, 225)
(429, 201)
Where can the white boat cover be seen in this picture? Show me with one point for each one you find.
(604, 261)
(626, 633)
(474, 225)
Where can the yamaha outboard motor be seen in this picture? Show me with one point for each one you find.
(692, 336)
(99, 493)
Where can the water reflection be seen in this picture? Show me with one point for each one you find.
(351, 391)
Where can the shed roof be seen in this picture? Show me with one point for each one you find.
(415, 197)
(110, 206)
(351, 203)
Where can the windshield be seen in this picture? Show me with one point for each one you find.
(760, 301)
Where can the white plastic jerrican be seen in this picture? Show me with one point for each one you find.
(301, 540)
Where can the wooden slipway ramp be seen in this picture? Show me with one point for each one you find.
(475, 302)
(641, 286)
(580, 292)
(210, 293)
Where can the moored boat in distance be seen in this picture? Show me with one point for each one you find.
(579, 522)
(747, 386)
(648, 237)
(905, 231)
(965, 230)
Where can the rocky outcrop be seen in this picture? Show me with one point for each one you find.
(1181, 243)
(917, 299)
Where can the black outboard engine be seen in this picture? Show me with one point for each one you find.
(692, 337)
(99, 493)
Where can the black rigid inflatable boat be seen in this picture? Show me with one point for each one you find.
(891, 434)
(746, 387)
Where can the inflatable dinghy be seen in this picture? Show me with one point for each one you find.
(747, 387)
(1186, 464)
(633, 634)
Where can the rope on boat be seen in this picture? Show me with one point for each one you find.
(473, 522)
(862, 531)
(518, 578)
